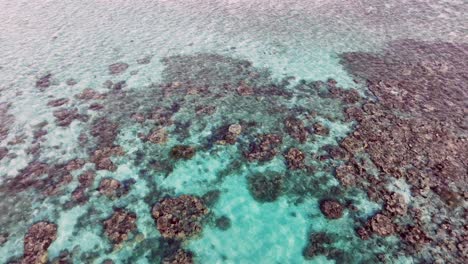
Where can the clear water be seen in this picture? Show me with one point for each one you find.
(299, 39)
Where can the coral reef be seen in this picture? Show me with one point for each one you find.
(179, 217)
(265, 187)
(119, 226)
(37, 241)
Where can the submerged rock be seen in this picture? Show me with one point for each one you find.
(44, 82)
(227, 134)
(71, 82)
(113, 189)
(3, 152)
(64, 116)
(321, 129)
(415, 236)
(264, 148)
(158, 136)
(223, 223)
(179, 257)
(332, 209)
(109, 187)
(101, 157)
(296, 129)
(266, 187)
(118, 68)
(90, 94)
(182, 152)
(37, 241)
(318, 244)
(179, 217)
(244, 90)
(295, 159)
(58, 102)
(395, 204)
(119, 226)
(3, 238)
(382, 225)
(105, 131)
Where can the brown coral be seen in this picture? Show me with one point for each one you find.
(179, 217)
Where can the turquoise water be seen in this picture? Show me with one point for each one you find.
(184, 57)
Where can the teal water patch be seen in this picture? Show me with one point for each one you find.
(260, 232)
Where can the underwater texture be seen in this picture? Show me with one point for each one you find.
(242, 131)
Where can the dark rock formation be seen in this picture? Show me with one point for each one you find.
(264, 148)
(295, 159)
(179, 257)
(119, 226)
(179, 217)
(113, 188)
(44, 82)
(182, 152)
(58, 102)
(415, 236)
(64, 116)
(382, 225)
(295, 128)
(227, 134)
(318, 244)
(332, 209)
(101, 157)
(105, 132)
(320, 129)
(223, 223)
(3, 152)
(89, 94)
(37, 241)
(157, 136)
(118, 68)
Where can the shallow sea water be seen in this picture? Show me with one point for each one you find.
(204, 43)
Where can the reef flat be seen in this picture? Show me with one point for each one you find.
(214, 157)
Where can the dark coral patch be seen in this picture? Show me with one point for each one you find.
(37, 241)
(266, 187)
(223, 223)
(296, 129)
(332, 209)
(44, 81)
(182, 152)
(179, 217)
(120, 225)
(295, 159)
(264, 147)
(118, 68)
